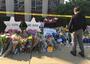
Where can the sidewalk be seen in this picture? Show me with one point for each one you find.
(61, 56)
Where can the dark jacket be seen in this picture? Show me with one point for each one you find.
(77, 22)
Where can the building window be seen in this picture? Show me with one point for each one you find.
(19, 5)
(2, 5)
(36, 6)
(52, 4)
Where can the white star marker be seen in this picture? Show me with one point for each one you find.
(33, 25)
(12, 24)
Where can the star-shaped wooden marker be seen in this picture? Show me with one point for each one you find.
(12, 24)
(33, 25)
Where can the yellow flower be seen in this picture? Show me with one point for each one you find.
(30, 37)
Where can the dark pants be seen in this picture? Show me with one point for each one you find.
(77, 38)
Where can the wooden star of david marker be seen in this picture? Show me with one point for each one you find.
(12, 24)
(33, 25)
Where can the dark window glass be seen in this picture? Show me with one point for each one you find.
(36, 6)
(2, 5)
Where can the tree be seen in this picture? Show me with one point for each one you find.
(67, 9)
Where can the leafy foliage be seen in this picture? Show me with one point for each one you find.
(23, 25)
(67, 9)
(2, 26)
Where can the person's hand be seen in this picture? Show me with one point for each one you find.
(73, 33)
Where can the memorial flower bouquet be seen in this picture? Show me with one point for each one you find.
(3, 38)
(33, 32)
(18, 38)
(22, 40)
(30, 37)
(25, 39)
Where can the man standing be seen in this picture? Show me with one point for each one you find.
(76, 27)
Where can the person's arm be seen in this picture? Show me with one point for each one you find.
(70, 24)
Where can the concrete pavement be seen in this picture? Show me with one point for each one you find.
(61, 56)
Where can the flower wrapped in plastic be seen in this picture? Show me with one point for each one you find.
(18, 38)
(15, 37)
(3, 38)
(30, 37)
(29, 41)
(33, 32)
(22, 40)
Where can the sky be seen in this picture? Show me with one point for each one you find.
(66, 0)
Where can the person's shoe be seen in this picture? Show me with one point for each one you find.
(73, 53)
(82, 54)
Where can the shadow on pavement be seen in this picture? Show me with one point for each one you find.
(63, 54)
(88, 58)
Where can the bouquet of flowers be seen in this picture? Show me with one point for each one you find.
(33, 32)
(3, 38)
(22, 40)
(30, 37)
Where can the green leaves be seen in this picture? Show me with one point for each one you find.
(2, 26)
(23, 26)
(3, 38)
(67, 9)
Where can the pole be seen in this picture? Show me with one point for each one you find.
(31, 50)
(30, 56)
